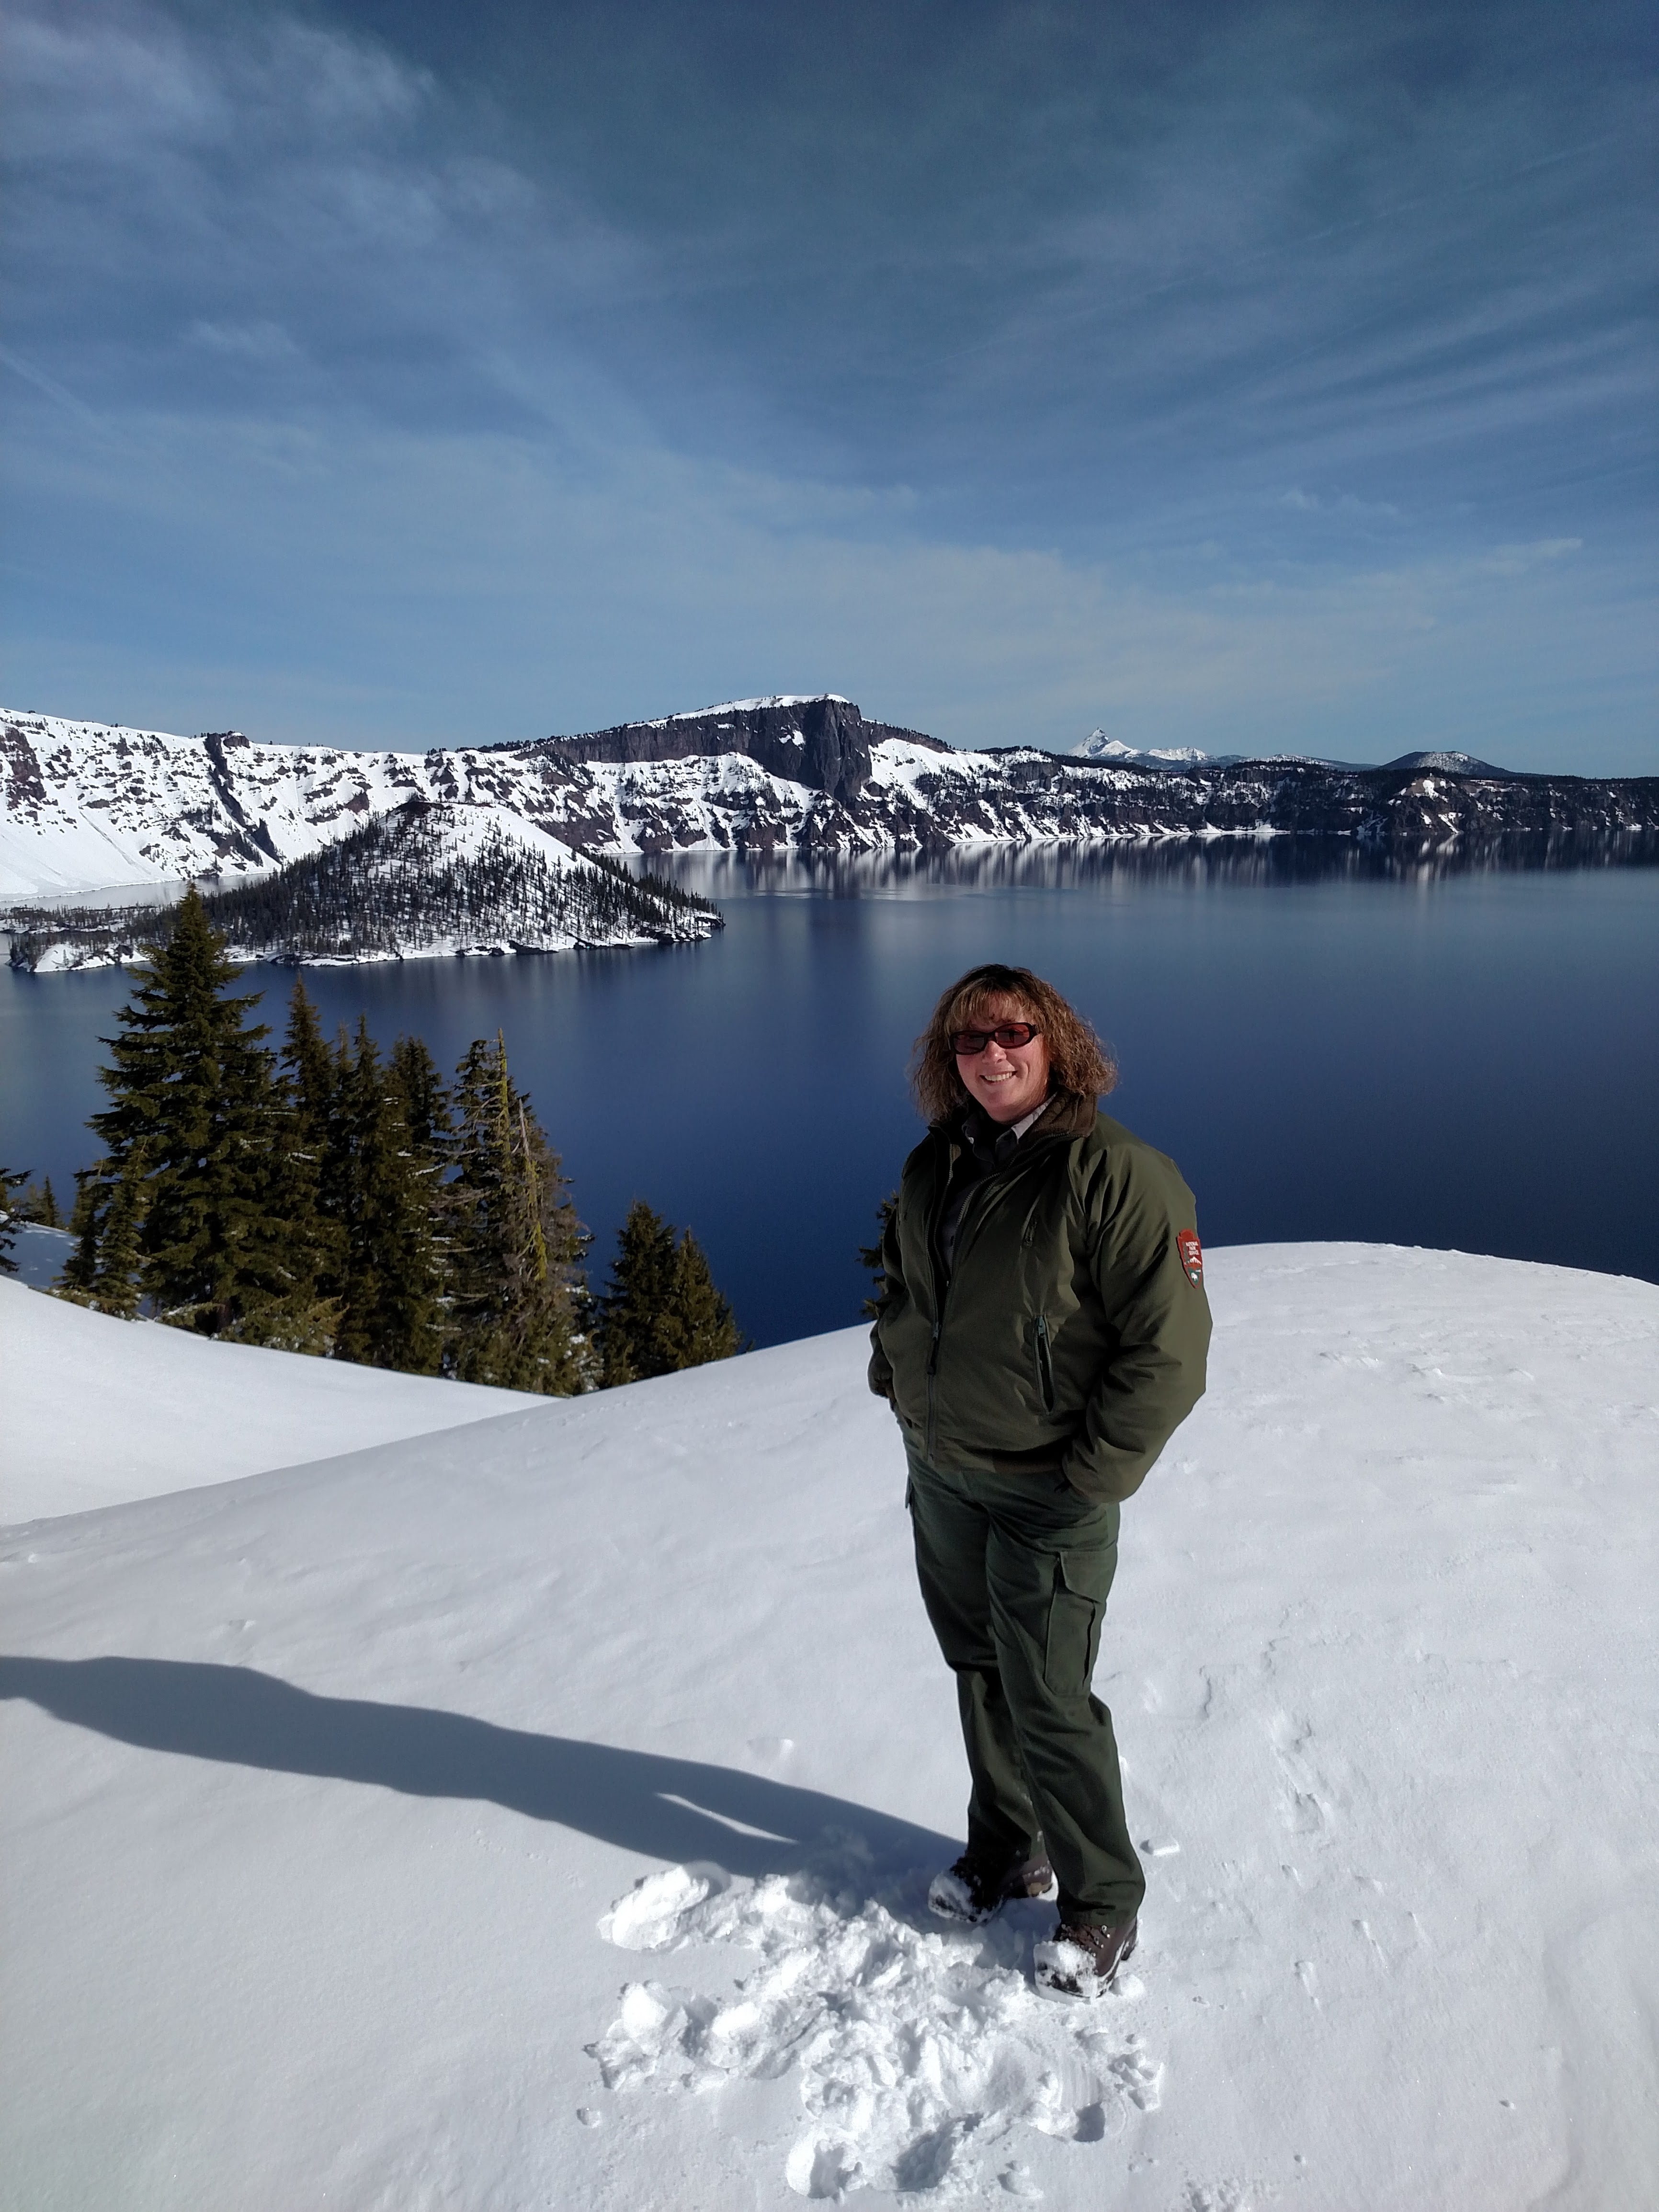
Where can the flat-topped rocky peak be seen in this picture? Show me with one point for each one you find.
(822, 741)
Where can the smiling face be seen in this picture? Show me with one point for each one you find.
(1008, 1082)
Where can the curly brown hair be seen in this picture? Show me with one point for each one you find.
(1079, 1064)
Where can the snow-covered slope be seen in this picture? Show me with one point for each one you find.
(87, 805)
(539, 1812)
(99, 1412)
(83, 805)
(425, 881)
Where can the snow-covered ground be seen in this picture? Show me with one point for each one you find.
(100, 1412)
(538, 1812)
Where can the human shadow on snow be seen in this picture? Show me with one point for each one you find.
(663, 1809)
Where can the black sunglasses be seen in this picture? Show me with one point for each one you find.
(967, 1044)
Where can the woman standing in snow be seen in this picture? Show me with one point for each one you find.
(1040, 1333)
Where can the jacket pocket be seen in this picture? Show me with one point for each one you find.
(1077, 1605)
(1045, 1361)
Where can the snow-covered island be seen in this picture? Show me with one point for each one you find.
(417, 1795)
(418, 883)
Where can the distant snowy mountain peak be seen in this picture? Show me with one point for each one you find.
(1097, 746)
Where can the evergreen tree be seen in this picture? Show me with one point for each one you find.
(189, 1128)
(390, 1299)
(426, 1102)
(641, 1289)
(312, 1072)
(317, 1137)
(519, 1296)
(9, 1217)
(662, 1311)
(870, 1255)
(287, 1304)
(700, 1326)
(117, 1261)
(305, 1175)
(80, 1268)
(39, 1204)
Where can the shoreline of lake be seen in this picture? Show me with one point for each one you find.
(1458, 1058)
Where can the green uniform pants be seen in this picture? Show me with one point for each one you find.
(1015, 1572)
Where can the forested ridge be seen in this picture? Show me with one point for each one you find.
(327, 1198)
(408, 881)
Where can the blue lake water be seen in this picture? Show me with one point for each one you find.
(1467, 1060)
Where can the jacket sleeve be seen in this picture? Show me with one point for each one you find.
(1160, 1317)
(892, 1291)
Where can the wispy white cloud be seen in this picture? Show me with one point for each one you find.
(59, 396)
(1267, 377)
(1340, 503)
(402, 588)
(259, 341)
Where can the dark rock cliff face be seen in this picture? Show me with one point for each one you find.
(23, 787)
(1035, 795)
(824, 743)
(251, 837)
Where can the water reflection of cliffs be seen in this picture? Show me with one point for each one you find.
(1265, 862)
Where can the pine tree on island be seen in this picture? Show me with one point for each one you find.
(662, 1311)
(518, 1295)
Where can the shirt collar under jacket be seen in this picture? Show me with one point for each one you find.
(991, 1143)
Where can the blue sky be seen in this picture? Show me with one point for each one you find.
(1253, 377)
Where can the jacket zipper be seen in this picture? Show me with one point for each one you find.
(939, 1297)
(1045, 1360)
(933, 1369)
(939, 1317)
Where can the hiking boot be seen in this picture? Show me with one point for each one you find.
(1079, 1960)
(974, 1893)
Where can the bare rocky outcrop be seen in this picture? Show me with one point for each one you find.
(823, 742)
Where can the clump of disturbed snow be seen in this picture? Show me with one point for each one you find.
(922, 2052)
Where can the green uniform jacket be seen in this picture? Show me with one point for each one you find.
(1071, 1336)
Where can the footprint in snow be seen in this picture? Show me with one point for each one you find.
(923, 2051)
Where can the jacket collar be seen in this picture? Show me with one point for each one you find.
(1066, 1115)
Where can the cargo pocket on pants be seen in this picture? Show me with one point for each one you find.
(1083, 1580)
